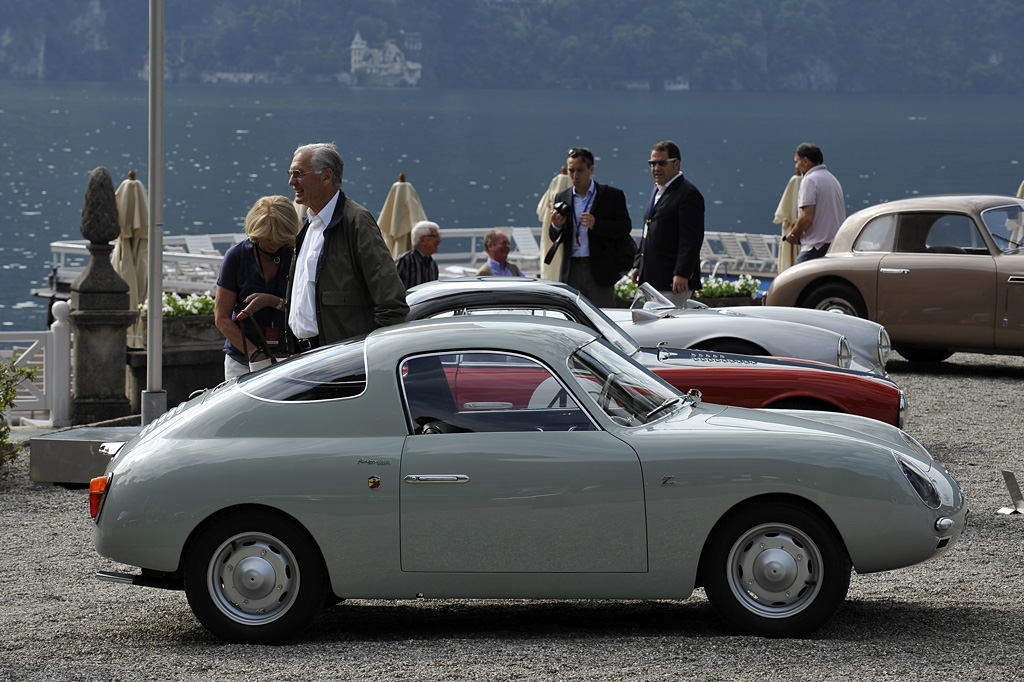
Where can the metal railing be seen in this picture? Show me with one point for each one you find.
(47, 398)
(191, 264)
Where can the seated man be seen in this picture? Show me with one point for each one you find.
(498, 245)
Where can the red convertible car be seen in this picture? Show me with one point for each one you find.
(729, 379)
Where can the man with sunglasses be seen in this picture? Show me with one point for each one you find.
(587, 220)
(343, 281)
(669, 253)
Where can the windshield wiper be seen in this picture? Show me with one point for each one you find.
(674, 400)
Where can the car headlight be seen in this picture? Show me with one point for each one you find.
(884, 346)
(922, 485)
(916, 446)
(845, 354)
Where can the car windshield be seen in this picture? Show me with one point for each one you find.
(1006, 224)
(622, 388)
(329, 373)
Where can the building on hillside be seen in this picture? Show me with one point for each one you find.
(388, 66)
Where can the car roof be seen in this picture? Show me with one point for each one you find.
(971, 204)
(535, 336)
(528, 286)
(942, 202)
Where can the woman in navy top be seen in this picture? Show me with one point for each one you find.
(253, 281)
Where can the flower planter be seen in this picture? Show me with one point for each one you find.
(727, 301)
(184, 332)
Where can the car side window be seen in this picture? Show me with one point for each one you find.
(953, 233)
(938, 233)
(878, 235)
(486, 391)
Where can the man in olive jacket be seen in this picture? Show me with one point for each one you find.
(343, 281)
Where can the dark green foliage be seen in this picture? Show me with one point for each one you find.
(10, 377)
(783, 45)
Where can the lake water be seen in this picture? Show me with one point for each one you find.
(478, 158)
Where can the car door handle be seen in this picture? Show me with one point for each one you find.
(437, 478)
(894, 271)
(1015, 280)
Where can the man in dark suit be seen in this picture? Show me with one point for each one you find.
(591, 218)
(669, 254)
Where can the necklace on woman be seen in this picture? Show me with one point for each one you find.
(276, 256)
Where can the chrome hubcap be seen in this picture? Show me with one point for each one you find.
(775, 570)
(253, 578)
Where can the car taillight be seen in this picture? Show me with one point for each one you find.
(97, 491)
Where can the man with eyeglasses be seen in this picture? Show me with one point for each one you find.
(417, 265)
(669, 253)
(343, 281)
(587, 220)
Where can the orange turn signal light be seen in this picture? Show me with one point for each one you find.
(97, 491)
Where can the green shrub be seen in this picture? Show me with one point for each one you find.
(10, 377)
(175, 305)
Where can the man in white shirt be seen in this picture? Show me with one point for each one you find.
(343, 281)
(821, 201)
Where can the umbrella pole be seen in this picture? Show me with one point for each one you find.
(154, 398)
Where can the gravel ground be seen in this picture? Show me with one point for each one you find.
(953, 618)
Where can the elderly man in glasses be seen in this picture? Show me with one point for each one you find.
(417, 265)
(343, 281)
(586, 221)
(669, 254)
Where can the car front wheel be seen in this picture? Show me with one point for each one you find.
(254, 577)
(838, 297)
(775, 570)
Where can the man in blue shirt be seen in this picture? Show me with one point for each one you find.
(498, 245)
(591, 218)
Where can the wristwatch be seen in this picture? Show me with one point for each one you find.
(280, 304)
(255, 351)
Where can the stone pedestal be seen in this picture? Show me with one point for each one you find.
(183, 371)
(101, 314)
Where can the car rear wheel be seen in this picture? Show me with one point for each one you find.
(775, 570)
(254, 577)
(915, 354)
(836, 296)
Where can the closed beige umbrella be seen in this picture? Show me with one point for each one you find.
(1020, 190)
(787, 214)
(402, 209)
(130, 255)
(559, 183)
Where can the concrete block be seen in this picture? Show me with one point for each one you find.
(73, 455)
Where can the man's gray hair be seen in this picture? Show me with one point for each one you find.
(422, 229)
(325, 155)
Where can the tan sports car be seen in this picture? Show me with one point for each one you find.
(942, 274)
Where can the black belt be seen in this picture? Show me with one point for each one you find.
(308, 344)
(581, 259)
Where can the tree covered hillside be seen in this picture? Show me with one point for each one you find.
(781, 45)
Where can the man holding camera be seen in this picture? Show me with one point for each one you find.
(586, 220)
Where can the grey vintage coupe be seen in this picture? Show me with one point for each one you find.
(507, 457)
